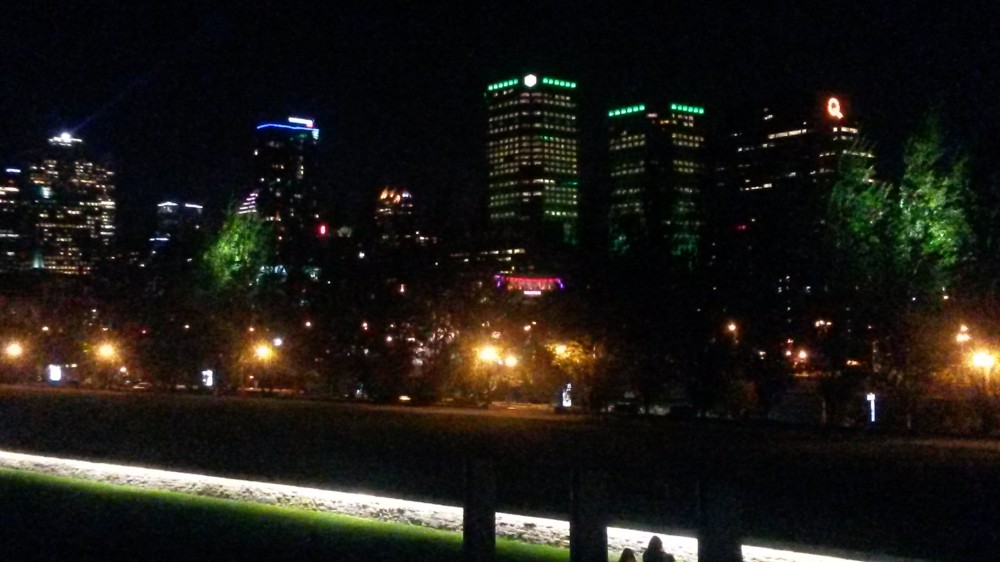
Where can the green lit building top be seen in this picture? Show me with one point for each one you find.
(658, 164)
(532, 153)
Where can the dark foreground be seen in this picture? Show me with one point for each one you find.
(936, 499)
(47, 518)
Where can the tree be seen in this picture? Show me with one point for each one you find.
(239, 252)
(897, 247)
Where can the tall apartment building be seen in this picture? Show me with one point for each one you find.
(285, 192)
(533, 160)
(71, 209)
(776, 169)
(658, 164)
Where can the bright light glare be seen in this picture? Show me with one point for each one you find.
(530, 80)
(277, 342)
(264, 351)
(106, 351)
(55, 373)
(489, 353)
(731, 327)
(803, 355)
(962, 337)
(983, 359)
(561, 349)
(14, 349)
(510, 361)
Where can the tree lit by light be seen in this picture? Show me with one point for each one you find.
(510, 361)
(561, 349)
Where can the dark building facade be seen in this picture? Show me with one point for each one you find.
(776, 168)
(532, 160)
(175, 222)
(285, 194)
(658, 164)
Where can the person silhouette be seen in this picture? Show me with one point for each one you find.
(627, 556)
(654, 552)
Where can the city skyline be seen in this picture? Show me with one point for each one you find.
(400, 93)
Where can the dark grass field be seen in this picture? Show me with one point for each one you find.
(50, 518)
(930, 498)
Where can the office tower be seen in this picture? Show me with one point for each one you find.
(776, 169)
(532, 153)
(11, 221)
(72, 209)
(657, 161)
(285, 191)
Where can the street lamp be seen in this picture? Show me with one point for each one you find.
(263, 352)
(14, 350)
(106, 351)
(489, 354)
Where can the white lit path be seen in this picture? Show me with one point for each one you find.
(529, 529)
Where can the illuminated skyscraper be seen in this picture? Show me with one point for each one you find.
(657, 168)
(532, 153)
(71, 207)
(285, 190)
(777, 166)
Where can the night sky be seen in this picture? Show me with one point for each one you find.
(172, 90)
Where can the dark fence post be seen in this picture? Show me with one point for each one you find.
(479, 530)
(718, 521)
(588, 522)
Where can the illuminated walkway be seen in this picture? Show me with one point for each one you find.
(519, 527)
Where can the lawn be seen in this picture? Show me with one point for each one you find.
(53, 518)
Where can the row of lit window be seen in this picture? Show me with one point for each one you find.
(560, 101)
(549, 126)
(537, 113)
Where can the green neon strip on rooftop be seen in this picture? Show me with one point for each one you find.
(627, 110)
(545, 80)
(502, 85)
(557, 82)
(687, 108)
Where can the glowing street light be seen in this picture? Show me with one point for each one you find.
(561, 349)
(731, 327)
(263, 352)
(510, 361)
(14, 350)
(489, 354)
(106, 351)
(984, 360)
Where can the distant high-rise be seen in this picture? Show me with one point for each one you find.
(175, 221)
(532, 152)
(776, 168)
(12, 221)
(285, 191)
(394, 217)
(657, 160)
(72, 208)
